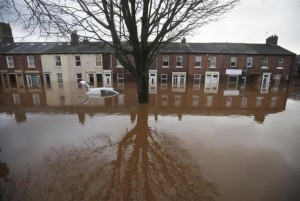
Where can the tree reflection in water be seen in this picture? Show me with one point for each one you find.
(144, 165)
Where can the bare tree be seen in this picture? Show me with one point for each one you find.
(134, 28)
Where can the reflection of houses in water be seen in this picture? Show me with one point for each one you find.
(193, 98)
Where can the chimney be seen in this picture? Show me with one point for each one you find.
(5, 33)
(272, 40)
(183, 40)
(85, 40)
(74, 38)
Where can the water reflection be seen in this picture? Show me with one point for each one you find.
(226, 99)
(146, 164)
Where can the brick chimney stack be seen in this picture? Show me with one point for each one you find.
(6, 33)
(74, 38)
(272, 40)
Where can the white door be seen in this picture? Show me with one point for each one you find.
(211, 82)
(152, 81)
(107, 80)
(178, 81)
(265, 82)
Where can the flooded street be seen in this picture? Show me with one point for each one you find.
(189, 143)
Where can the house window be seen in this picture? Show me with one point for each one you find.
(233, 61)
(77, 60)
(99, 60)
(59, 78)
(265, 62)
(198, 60)
(57, 61)
(164, 78)
(30, 60)
(78, 77)
(33, 80)
(120, 78)
(165, 61)
(213, 62)
(197, 79)
(178, 61)
(280, 63)
(119, 65)
(10, 61)
(249, 62)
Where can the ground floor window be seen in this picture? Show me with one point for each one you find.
(164, 78)
(232, 81)
(33, 80)
(120, 78)
(211, 82)
(178, 81)
(197, 81)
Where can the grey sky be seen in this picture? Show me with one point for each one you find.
(253, 20)
(250, 22)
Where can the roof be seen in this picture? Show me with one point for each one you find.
(225, 48)
(100, 47)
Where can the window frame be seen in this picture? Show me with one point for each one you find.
(30, 62)
(249, 60)
(179, 61)
(8, 61)
(99, 60)
(280, 62)
(198, 61)
(165, 60)
(60, 80)
(57, 61)
(212, 62)
(77, 61)
(233, 62)
(265, 60)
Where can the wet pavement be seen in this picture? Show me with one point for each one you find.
(189, 143)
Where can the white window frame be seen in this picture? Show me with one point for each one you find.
(57, 61)
(280, 63)
(99, 61)
(77, 60)
(265, 62)
(233, 61)
(249, 62)
(10, 61)
(197, 79)
(164, 78)
(78, 79)
(120, 78)
(29, 80)
(179, 60)
(213, 62)
(30, 61)
(198, 61)
(165, 59)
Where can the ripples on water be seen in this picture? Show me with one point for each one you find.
(186, 144)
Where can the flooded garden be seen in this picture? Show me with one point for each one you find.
(191, 142)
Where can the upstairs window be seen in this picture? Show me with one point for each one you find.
(77, 60)
(249, 62)
(178, 61)
(233, 61)
(30, 61)
(212, 62)
(165, 61)
(59, 78)
(280, 63)
(57, 61)
(99, 60)
(198, 60)
(10, 61)
(265, 62)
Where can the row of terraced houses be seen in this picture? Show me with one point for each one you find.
(38, 64)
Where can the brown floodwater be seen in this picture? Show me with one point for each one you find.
(226, 142)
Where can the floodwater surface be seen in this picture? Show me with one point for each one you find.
(188, 143)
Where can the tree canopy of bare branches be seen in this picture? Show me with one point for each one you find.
(144, 26)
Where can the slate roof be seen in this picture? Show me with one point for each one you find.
(225, 48)
(98, 47)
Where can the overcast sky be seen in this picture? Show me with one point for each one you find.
(250, 22)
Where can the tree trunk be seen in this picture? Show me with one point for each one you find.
(142, 82)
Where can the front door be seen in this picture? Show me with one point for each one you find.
(211, 82)
(91, 79)
(152, 81)
(107, 80)
(265, 82)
